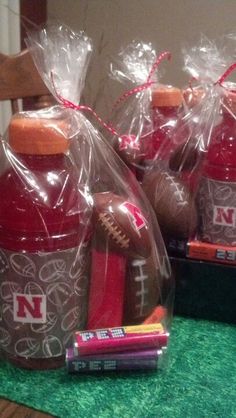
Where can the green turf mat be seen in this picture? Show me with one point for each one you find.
(200, 382)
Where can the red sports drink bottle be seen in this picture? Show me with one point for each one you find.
(166, 113)
(216, 196)
(187, 157)
(44, 245)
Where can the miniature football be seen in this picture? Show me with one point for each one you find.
(142, 293)
(122, 223)
(172, 202)
(185, 156)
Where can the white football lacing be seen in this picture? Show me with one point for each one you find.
(120, 238)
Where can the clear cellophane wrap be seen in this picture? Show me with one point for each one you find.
(192, 191)
(80, 246)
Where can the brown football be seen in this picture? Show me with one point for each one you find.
(185, 156)
(172, 202)
(142, 294)
(122, 223)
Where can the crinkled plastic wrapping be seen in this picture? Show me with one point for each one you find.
(80, 246)
(132, 115)
(214, 180)
(148, 122)
(201, 166)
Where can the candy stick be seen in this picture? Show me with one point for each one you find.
(130, 360)
(107, 283)
(120, 339)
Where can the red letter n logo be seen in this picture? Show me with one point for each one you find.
(29, 308)
(135, 215)
(224, 216)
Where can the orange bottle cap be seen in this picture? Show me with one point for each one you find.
(38, 136)
(167, 96)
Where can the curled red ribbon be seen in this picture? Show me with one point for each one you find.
(220, 81)
(165, 54)
(148, 83)
(71, 105)
(110, 128)
(229, 70)
(191, 81)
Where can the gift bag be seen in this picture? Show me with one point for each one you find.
(152, 114)
(80, 247)
(146, 112)
(213, 127)
(200, 159)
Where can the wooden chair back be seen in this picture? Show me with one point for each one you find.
(19, 79)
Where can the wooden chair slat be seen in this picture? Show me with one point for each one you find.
(19, 77)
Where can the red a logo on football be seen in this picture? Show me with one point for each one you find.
(128, 141)
(29, 308)
(224, 216)
(135, 213)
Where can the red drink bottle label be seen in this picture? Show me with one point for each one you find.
(216, 195)
(44, 242)
(43, 298)
(217, 207)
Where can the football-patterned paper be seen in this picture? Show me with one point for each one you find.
(43, 299)
(217, 209)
